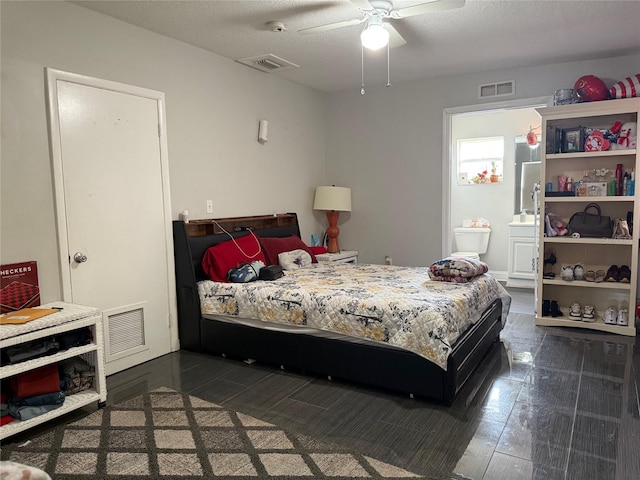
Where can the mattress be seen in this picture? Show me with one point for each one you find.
(390, 305)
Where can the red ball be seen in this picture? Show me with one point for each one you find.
(590, 88)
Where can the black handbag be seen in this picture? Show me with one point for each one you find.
(593, 225)
(270, 272)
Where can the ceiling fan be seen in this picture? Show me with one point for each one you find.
(379, 33)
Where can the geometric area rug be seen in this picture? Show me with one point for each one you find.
(166, 434)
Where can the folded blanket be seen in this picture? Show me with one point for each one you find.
(457, 269)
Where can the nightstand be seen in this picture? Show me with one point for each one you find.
(345, 256)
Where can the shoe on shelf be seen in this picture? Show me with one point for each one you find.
(600, 274)
(546, 308)
(623, 317)
(549, 261)
(550, 257)
(612, 274)
(567, 273)
(590, 276)
(624, 274)
(575, 312)
(610, 315)
(578, 272)
(554, 309)
(589, 314)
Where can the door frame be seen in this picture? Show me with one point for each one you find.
(447, 151)
(53, 76)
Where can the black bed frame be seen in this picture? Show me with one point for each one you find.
(378, 366)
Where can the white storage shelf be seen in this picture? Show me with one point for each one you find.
(71, 317)
(344, 256)
(593, 253)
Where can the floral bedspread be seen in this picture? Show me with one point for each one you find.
(399, 306)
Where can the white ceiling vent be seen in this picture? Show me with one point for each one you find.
(268, 63)
(498, 89)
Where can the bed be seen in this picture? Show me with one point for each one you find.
(348, 338)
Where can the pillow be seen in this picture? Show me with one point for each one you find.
(294, 259)
(318, 250)
(272, 247)
(220, 258)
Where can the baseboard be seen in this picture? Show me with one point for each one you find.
(499, 275)
(520, 283)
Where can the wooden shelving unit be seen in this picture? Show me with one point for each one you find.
(593, 253)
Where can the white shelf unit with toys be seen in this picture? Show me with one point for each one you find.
(594, 254)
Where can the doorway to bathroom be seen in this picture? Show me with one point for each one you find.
(498, 203)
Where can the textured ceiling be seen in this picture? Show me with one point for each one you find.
(483, 35)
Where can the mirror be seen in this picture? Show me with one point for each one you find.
(530, 176)
(527, 174)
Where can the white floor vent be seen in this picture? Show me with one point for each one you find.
(268, 63)
(498, 89)
(124, 332)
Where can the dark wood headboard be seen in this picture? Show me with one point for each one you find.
(190, 242)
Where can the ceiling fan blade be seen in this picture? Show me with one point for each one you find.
(395, 39)
(331, 26)
(433, 6)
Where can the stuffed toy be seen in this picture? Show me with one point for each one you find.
(627, 138)
(554, 226)
(557, 225)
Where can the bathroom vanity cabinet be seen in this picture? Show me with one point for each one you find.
(593, 254)
(522, 255)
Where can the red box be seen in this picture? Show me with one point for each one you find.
(19, 286)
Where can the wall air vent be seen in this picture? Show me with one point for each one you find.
(498, 89)
(268, 63)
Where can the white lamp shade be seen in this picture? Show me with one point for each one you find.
(333, 198)
(374, 37)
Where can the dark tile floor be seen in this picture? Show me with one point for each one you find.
(549, 404)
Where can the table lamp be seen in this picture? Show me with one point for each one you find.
(334, 200)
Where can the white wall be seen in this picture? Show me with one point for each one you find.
(213, 107)
(387, 146)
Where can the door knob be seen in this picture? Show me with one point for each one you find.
(80, 257)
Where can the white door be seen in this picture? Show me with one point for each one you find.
(112, 196)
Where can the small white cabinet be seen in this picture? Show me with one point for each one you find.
(344, 256)
(70, 317)
(522, 255)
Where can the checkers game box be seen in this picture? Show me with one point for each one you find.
(19, 286)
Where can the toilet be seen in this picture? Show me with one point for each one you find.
(471, 242)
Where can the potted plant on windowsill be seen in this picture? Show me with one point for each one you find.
(495, 178)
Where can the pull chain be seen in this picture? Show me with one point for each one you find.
(388, 74)
(362, 68)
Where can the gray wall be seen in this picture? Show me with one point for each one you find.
(213, 107)
(387, 146)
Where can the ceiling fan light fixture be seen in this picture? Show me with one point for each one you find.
(375, 36)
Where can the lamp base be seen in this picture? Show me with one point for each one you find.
(332, 232)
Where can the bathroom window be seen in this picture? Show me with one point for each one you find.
(480, 160)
